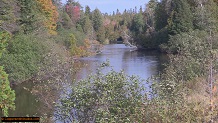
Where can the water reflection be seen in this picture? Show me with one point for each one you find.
(25, 102)
(141, 63)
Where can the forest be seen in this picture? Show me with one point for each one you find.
(39, 39)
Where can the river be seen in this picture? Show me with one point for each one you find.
(141, 63)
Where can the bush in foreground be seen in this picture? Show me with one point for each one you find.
(110, 97)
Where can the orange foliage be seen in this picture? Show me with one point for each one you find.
(51, 13)
(81, 51)
(214, 89)
(87, 44)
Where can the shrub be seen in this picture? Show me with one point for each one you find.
(7, 95)
(111, 97)
(23, 57)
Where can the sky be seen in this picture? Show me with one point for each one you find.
(108, 6)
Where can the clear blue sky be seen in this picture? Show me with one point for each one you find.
(112, 5)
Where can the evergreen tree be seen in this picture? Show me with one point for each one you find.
(79, 28)
(87, 11)
(66, 21)
(181, 17)
(138, 23)
(101, 34)
(161, 16)
(113, 13)
(28, 15)
(97, 19)
(87, 26)
(150, 13)
(140, 10)
(118, 12)
(206, 15)
(127, 19)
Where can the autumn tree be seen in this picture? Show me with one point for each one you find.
(51, 14)
(73, 10)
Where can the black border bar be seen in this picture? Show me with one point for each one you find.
(20, 119)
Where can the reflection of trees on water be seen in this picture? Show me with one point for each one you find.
(127, 55)
(81, 69)
(143, 63)
(24, 98)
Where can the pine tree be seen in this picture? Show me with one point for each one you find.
(118, 12)
(206, 15)
(140, 10)
(87, 26)
(28, 15)
(66, 21)
(160, 16)
(181, 17)
(97, 19)
(150, 13)
(138, 23)
(101, 34)
(87, 11)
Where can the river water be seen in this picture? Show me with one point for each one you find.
(141, 63)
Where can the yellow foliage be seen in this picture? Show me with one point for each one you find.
(79, 51)
(51, 14)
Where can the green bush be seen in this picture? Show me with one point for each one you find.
(23, 57)
(175, 89)
(64, 38)
(103, 98)
(7, 95)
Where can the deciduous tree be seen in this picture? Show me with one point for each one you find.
(51, 14)
(7, 95)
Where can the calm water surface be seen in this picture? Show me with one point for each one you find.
(141, 63)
